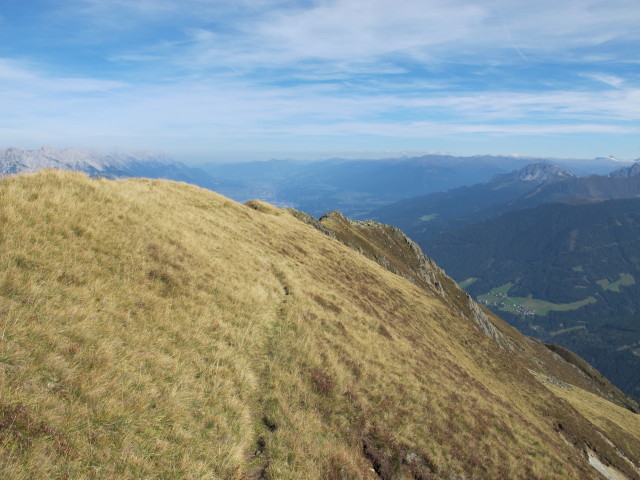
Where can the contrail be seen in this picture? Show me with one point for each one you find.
(513, 44)
(506, 30)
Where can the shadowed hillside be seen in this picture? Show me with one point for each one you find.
(392, 249)
(152, 329)
(426, 216)
(593, 187)
(567, 274)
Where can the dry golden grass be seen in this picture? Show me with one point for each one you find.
(619, 424)
(151, 329)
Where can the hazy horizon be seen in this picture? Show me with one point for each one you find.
(311, 158)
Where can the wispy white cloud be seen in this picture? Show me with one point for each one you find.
(25, 78)
(232, 107)
(611, 80)
(434, 129)
(248, 35)
(344, 29)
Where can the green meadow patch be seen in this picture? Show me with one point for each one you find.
(503, 289)
(467, 282)
(498, 297)
(566, 330)
(542, 307)
(625, 280)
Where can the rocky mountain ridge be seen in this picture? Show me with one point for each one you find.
(17, 160)
(392, 249)
(539, 172)
(99, 164)
(428, 215)
(626, 172)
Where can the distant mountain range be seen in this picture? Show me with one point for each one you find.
(355, 187)
(626, 172)
(622, 183)
(105, 165)
(351, 186)
(428, 215)
(557, 255)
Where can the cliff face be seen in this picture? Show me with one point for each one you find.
(156, 330)
(396, 252)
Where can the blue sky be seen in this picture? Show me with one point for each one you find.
(251, 80)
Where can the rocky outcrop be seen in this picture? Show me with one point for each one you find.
(535, 173)
(395, 251)
(308, 219)
(484, 324)
(626, 172)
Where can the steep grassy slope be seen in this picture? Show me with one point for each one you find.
(392, 249)
(150, 329)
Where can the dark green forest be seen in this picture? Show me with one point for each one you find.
(567, 274)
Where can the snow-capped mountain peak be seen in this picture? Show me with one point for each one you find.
(98, 164)
(539, 173)
(626, 172)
